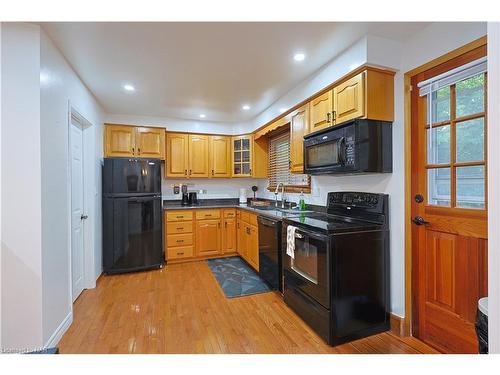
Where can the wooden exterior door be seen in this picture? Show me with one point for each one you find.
(208, 237)
(321, 112)
(220, 156)
(119, 141)
(298, 128)
(177, 155)
(198, 155)
(449, 207)
(150, 142)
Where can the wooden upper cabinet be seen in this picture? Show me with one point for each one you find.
(177, 155)
(150, 142)
(241, 149)
(119, 140)
(133, 141)
(349, 99)
(299, 126)
(220, 156)
(198, 155)
(321, 112)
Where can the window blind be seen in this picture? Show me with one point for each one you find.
(279, 163)
(453, 76)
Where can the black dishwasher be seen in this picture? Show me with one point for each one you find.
(270, 266)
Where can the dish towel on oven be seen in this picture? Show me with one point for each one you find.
(290, 241)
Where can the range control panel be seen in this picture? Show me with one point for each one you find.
(356, 199)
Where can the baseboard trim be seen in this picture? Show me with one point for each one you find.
(398, 325)
(59, 332)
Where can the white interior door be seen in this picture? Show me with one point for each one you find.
(77, 210)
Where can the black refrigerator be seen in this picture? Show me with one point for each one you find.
(132, 215)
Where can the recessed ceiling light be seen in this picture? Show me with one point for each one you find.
(282, 110)
(128, 87)
(299, 57)
(202, 115)
(245, 107)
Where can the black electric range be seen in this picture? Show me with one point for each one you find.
(337, 276)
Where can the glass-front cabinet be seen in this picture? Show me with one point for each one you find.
(242, 156)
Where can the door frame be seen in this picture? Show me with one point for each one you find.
(407, 324)
(88, 201)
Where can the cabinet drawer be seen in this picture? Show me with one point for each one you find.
(207, 214)
(229, 213)
(180, 252)
(180, 227)
(179, 240)
(184, 215)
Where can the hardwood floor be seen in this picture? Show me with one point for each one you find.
(181, 309)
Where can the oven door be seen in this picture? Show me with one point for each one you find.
(309, 269)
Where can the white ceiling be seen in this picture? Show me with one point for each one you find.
(180, 70)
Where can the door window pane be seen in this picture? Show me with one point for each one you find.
(470, 96)
(440, 105)
(438, 185)
(470, 187)
(438, 145)
(470, 140)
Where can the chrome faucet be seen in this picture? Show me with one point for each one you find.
(282, 195)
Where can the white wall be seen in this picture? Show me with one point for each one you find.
(61, 87)
(493, 187)
(21, 188)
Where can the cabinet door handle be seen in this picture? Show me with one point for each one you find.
(225, 224)
(218, 224)
(139, 150)
(180, 217)
(185, 172)
(179, 241)
(133, 150)
(212, 172)
(190, 171)
(328, 117)
(181, 228)
(334, 116)
(180, 253)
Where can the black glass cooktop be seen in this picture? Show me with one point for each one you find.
(331, 223)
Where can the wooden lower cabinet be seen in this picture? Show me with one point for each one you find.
(248, 239)
(229, 232)
(208, 237)
(209, 233)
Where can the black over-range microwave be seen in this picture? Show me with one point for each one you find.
(357, 146)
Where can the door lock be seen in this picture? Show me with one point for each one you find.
(419, 198)
(84, 217)
(419, 220)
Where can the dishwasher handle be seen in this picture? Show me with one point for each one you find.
(267, 222)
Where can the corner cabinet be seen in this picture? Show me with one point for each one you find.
(241, 150)
(133, 141)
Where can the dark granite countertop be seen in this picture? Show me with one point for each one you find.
(229, 203)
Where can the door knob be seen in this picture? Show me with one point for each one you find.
(84, 217)
(419, 220)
